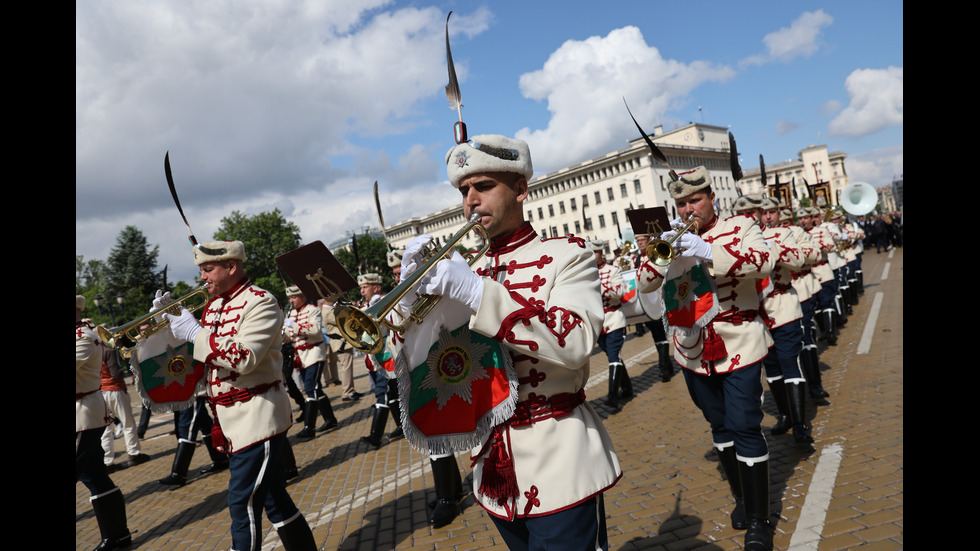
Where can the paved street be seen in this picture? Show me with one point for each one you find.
(845, 491)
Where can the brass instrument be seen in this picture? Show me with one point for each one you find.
(116, 337)
(363, 328)
(661, 251)
(624, 257)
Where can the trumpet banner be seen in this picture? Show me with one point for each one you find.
(165, 374)
(689, 294)
(455, 385)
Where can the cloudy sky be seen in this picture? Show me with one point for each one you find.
(302, 105)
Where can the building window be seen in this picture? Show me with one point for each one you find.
(622, 189)
(578, 227)
(554, 231)
(564, 228)
(572, 203)
(551, 210)
(540, 213)
(588, 224)
(530, 218)
(609, 192)
(615, 218)
(598, 198)
(636, 187)
(585, 201)
(602, 221)
(561, 208)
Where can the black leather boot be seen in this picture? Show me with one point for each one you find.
(625, 383)
(309, 421)
(612, 399)
(665, 361)
(288, 460)
(182, 460)
(297, 536)
(396, 415)
(729, 464)
(797, 405)
(110, 512)
(784, 422)
(809, 362)
(326, 410)
(448, 485)
(377, 426)
(219, 460)
(755, 485)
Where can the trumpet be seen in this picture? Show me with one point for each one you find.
(661, 251)
(125, 337)
(624, 257)
(363, 328)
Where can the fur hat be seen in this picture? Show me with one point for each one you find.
(769, 203)
(79, 302)
(292, 291)
(395, 258)
(217, 251)
(748, 203)
(598, 244)
(369, 279)
(689, 182)
(488, 153)
(785, 215)
(802, 211)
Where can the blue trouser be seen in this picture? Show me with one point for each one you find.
(732, 405)
(192, 420)
(807, 307)
(312, 385)
(257, 482)
(783, 360)
(380, 385)
(579, 528)
(89, 467)
(612, 343)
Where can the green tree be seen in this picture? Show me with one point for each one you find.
(130, 271)
(265, 235)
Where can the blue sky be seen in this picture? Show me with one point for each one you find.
(301, 106)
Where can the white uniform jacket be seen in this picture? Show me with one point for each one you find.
(613, 287)
(240, 344)
(782, 304)
(804, 281)
(306, 334)
(740, 258)
(541, 301)
(90, 409)
(824, 241)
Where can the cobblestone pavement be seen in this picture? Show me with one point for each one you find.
(845, 491)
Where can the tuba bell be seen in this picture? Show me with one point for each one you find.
(858, 198)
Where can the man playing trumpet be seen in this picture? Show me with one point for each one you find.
(721, 348)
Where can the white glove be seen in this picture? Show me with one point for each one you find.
(162, 299)
(694, 247)
(184, 327)
(413, 258)
(288, 322)
(454, 278)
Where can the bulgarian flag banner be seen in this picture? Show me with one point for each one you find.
(455, 385)
(689, 295)
(166, 376)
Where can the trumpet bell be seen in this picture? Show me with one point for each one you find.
(359, 328)
(662, 252)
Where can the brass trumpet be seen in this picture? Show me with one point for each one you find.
(363, 328)
(661, 251)
(121, 336)
(624, 257)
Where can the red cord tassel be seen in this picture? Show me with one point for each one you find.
(714, 347)
(499, 481)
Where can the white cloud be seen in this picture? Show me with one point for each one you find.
(877, 97)
(877, 167)
(801, 38)
(584, 83)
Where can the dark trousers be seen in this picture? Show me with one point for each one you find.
(732, 405)
(257, 482)
(312, 385)
(89, 467)
(580, 528)
(194, 420)
(783, 360)
(612, 343)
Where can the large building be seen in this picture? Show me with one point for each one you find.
(590, 199)
(814, 165)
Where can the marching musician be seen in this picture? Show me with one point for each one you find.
(540, 474)
(807, 287)
(339, 353)
(239, 340)
(303, 326)
(613, 333)
(722, 355)
(370, 285)
(826, 310)
(91, 418)
(656, 326)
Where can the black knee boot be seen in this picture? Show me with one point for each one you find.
(309, 420)
(288, 460)
(329, 419)
(755, 488)
(182, 460)
(665, 361)
(809, 362)
(110, 513)
(396, 414)
(729, 464)
(784, 422)
(797, 405)
(377, 426)
(448, 485)
(612, 399)
(296, 535)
